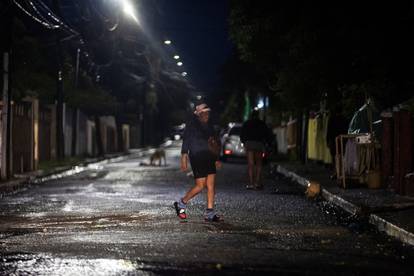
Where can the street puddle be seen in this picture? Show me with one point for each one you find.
(12, 224)
(355, 223)
(25, 264)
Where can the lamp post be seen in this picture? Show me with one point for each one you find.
(129, 9)
(60, 142)
(6, 114)
(77, 68)
(75, 115)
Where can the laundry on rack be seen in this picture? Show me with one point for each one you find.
(368, 158)
(350, 161)
(281, 139)
(312, 139)
(360, 158)
(317, 146)
(292, 133)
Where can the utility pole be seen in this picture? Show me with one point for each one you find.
(75, 117)
(77, 67)
(6, 92)
(60, 142)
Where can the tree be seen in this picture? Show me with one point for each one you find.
(31, 72)
(309, 49)
(239, 79)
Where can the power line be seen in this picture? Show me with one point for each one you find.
(54, 17)
(38, 13)
(41, 18)
(45, 24)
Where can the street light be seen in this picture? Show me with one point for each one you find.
(128, 9)
(179, 63)
(184, 74)
(168, 42)
(260, 104)
(176, 57)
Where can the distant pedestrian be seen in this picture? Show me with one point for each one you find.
(201, 147)
(254, 135)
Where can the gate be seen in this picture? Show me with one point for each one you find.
(22, 137)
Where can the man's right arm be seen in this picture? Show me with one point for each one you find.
(185, 148)
(186, 136)
(184, 162)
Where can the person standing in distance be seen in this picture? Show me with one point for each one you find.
(254, 135)
(196, 148)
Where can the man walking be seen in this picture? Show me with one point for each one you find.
(204, 161)
(254, 135)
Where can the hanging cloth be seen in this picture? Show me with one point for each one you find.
(311, 146)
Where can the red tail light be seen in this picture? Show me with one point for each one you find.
(263, 155)
(227, 152)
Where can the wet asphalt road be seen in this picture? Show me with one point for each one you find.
(118, 220)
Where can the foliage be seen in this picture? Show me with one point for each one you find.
(34, 71)
(90, 98)
(238, 77)
(232, 112)
(30, 72)
(348, 50)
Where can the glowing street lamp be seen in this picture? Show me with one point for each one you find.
(260, 104)
(179, 63)
(184, 74)
(168, 42)
(128, 9)
(176, 57)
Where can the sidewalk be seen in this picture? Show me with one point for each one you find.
(36, 177)
(389, 212)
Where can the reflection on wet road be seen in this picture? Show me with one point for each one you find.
(118, 219)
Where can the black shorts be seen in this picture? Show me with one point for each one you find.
(203, 164)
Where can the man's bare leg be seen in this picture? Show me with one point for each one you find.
(250, 165)
(211, 190)
(258, 160)
(200, 183)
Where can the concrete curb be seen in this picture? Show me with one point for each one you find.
(80, 168)
(295, 177)
(339, 201)
(392, 229)
(342, 203)
(380, 223)
(16, 185)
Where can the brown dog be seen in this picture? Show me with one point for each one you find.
(313, 189)
(159, 155)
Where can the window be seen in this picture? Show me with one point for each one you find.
(235, 131)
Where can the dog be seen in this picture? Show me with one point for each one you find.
(158, 154)
(313, 190)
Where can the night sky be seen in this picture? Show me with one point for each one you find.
(199, 32)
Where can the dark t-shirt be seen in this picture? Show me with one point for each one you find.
(195, 137)
(255, 130)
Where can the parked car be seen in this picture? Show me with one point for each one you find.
(230, 141)
(232, 145)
